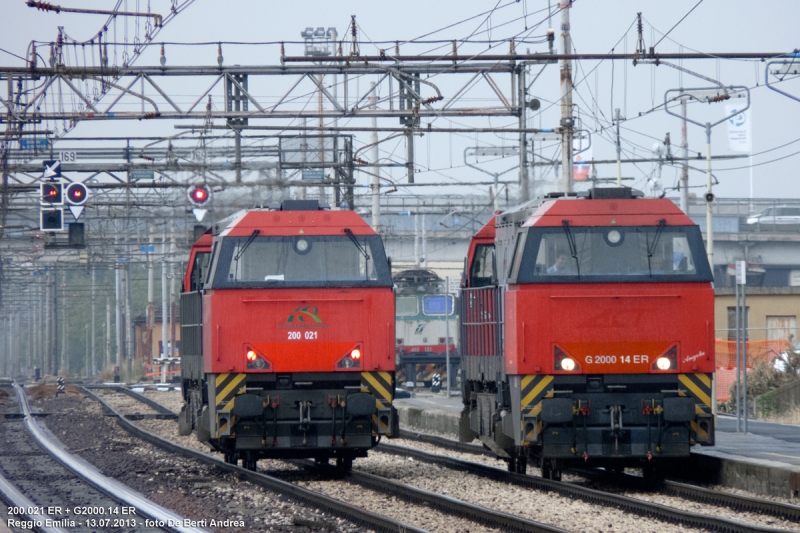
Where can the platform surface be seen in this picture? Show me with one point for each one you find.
(767, 443)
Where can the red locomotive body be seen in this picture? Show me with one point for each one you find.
(594, 342)
(289, 339)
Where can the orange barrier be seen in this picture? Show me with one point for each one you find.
(757, 351)
(156, 374)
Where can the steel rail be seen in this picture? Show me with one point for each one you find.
(727, 499)
(445, 504)
(140, 397)
(109, 486)
(625, 503)
(319, 501)
(477, 513)
(12, 496)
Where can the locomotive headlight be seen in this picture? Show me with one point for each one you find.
(251, 355)
(663, 363)
(355, 354)
(614, 236)
(567, 364)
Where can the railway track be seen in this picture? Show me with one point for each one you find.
(699, 494)
(298, 494)
(51, 491)
(503, 520)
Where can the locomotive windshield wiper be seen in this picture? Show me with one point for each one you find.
(651, 247)
(247, 243)
(573, 250)
(352, 236)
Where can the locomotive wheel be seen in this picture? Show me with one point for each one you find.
(250, 461)
(653, 476)
(545, 469)
(522, 465)
(512, 464)
(230, 458)
(345, 464)
(555, 474)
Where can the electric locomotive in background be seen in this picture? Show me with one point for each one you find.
(588, 334)
(288, 336)
(423, 308)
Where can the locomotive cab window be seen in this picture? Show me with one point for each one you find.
(199, 270)
(435, 304)
(303, 261)
(406, 306)
(481, 272)
(619, 253)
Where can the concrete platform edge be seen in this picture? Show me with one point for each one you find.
(706, 466)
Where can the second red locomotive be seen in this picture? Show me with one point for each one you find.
(288, 336)
(587, 334)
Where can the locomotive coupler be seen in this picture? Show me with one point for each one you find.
(305, 418)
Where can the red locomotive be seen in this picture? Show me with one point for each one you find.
(587, 334)
(288, 336)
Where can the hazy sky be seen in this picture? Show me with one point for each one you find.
(597, 26)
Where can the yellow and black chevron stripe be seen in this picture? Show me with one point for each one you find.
(226, 388)
(532, 390)
(697, 386)
(381, 386)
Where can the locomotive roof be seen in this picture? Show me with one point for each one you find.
(318, 222)
(622, 212)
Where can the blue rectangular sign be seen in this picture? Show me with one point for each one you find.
(30, 144)
(317, 175)
(149, 248)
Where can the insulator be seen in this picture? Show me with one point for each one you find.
(163, 59)
(219, 54)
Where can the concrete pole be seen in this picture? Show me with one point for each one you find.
(424, 244)
(118, 315)
(567, 132)
(93, 359)
(709, 201)
(524, 181)
(447, 334)
(108, 332)
(148, 351)
(375, 182)
(64, 335)
(685, 166)
(618, 118)
(48, 333)
(164, 311)
(172, 311)
(130, 347)
(744, 352)
(87, 362)
(320, 77)
(416, 241)
(410, 153)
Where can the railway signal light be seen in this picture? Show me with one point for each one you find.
(51, 219)
(77, 193)
(52, 193)
(199, 195)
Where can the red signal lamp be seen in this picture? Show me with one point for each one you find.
(77, 194)
(199, 195)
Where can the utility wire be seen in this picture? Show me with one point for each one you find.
(676, 24)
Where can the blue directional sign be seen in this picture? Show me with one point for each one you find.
(52, 169)
(149, 248)
(317, 175)
(30, 144)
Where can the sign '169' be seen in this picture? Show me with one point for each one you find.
(67, 156)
